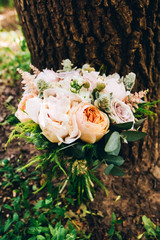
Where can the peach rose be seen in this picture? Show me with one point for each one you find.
(28, 108)
(92, 123)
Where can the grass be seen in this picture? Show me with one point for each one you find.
(27, 216)
(13, 57)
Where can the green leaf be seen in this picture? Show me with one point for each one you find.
(108, 169)
(122, 126)
(113, 220)
(59, 211)
(8, 207)
(70, 200)
(34, 230)
(148, 223)
(116, 160)
(132, 136)
(52, 231)
(42, 219)
(12, 119)
(32, 238)
(119, 221)
(58, 232)
(72, 235)
(39, 204)
(111, 231)
(116, 151)
(40, 237)
(48, 200)
(16, 203)
(150, 231)
(140, 236)
(116, 171)
(19, 224)
(15, 217)
(118, 236)
(7, 224)
(113, 142)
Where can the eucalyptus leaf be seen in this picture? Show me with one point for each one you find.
(132, 136)
(113, 142)
(116, 171)
(122, 126)
(116, 160)
(108, 169)
(116, 151)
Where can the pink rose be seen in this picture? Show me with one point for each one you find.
(120, 112)
(114, 86)
(92, 123)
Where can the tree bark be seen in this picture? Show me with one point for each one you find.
(122, 35)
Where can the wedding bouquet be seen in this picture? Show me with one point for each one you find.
(79, 117)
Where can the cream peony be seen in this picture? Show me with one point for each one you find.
(114, 86)
(28, 108)
(92, 123)
(120, 112)
(56, 120)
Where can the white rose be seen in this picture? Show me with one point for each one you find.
(47, 75)
(56, 120)
(120, 112)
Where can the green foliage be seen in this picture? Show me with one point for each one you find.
(112, 233)
(76, 162)
(132, 136)
(113, 143)
(145, 109)
(27, 219)
(11, 60)
(11, 119)
(6, 3)
(152, 231)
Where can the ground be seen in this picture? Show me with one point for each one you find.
(130, 197)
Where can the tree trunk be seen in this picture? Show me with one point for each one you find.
(122, 35)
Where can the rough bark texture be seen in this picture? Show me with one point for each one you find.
(123, 35)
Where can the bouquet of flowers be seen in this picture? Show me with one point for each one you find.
(79, 117)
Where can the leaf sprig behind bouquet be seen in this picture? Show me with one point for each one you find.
(79, 118)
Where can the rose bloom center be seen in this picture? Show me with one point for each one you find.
(93, 115)
(121, 112)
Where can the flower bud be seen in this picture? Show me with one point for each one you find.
(100, 86)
